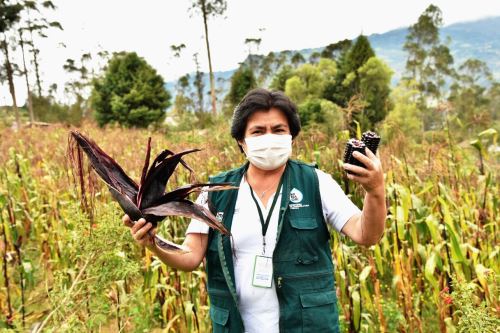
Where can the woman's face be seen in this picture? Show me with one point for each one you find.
(273, 121)
(267, 143)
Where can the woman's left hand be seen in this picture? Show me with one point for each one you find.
(371, 177)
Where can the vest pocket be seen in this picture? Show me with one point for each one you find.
(319, 312)
(306, 229)
(219, 317)
(303, 223)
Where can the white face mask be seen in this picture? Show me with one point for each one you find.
(269, 151)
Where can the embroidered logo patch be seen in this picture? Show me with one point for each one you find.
(296, 196)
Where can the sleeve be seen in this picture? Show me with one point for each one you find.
(337, 207)
(197, 226)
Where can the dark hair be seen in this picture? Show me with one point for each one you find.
(260, 99)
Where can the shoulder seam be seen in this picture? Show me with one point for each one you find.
(225, 173)
(298, 162)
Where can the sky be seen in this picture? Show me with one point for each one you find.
(150, 27)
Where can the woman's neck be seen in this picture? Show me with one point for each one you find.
(264, 182)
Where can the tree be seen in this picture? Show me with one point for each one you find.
(309, 80)
(321, 114)
(255, 42)
(38, 25)
(242, 81)
(405, 118)
(314, 57)
(266, 68)
(296, 89)
(130, 92)
(429, 61)
(79, 86)
(9, 15)
(199, 85)
(357, 56)
(26, 78)
(281, 59)
(468, 94)
(493, 95)
(253, 58)
(210, 8)
(297, 59)
(359, 53)
(306, 83)
(279, 80)
(374, 86)
(347, 81)
(337, 50)
(363, 78)
(183, 104)
(182, 101)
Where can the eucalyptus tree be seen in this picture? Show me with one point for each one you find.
(429, 60)
(199, 85)
(209, 8)
(36, 24)
(10, 14)
(297, 59)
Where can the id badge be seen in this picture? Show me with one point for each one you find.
(263, 272)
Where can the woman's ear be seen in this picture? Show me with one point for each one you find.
(242, 145)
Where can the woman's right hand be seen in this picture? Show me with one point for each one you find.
(139, 231)
(195, 242)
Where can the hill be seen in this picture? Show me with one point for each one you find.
(475, 39)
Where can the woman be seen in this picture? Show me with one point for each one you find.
(275, 273)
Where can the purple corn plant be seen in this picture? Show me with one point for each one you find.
(149, 199)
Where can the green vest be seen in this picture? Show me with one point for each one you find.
(302, 260)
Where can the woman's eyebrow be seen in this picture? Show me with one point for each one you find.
(279, 125)
(254, 127)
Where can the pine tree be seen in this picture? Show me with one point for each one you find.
(130, 92)
(359, 54)
(349, 61)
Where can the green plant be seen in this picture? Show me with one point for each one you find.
(474, 315)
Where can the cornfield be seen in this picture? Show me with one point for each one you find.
(69, 264)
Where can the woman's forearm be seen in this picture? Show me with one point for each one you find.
(195, 243)
(372, 222)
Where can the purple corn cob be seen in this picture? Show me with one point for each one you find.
(352, 146)
(371, 140)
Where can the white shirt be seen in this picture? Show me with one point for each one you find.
(259, 307)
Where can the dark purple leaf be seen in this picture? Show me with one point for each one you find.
(106, 167)
(169, 246)
(126, 204)
(156, 180)
(187, 209)
(146, 163)
(183, 191)
(161, 156)
(149, 201)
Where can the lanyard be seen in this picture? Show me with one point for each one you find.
(265, 224)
